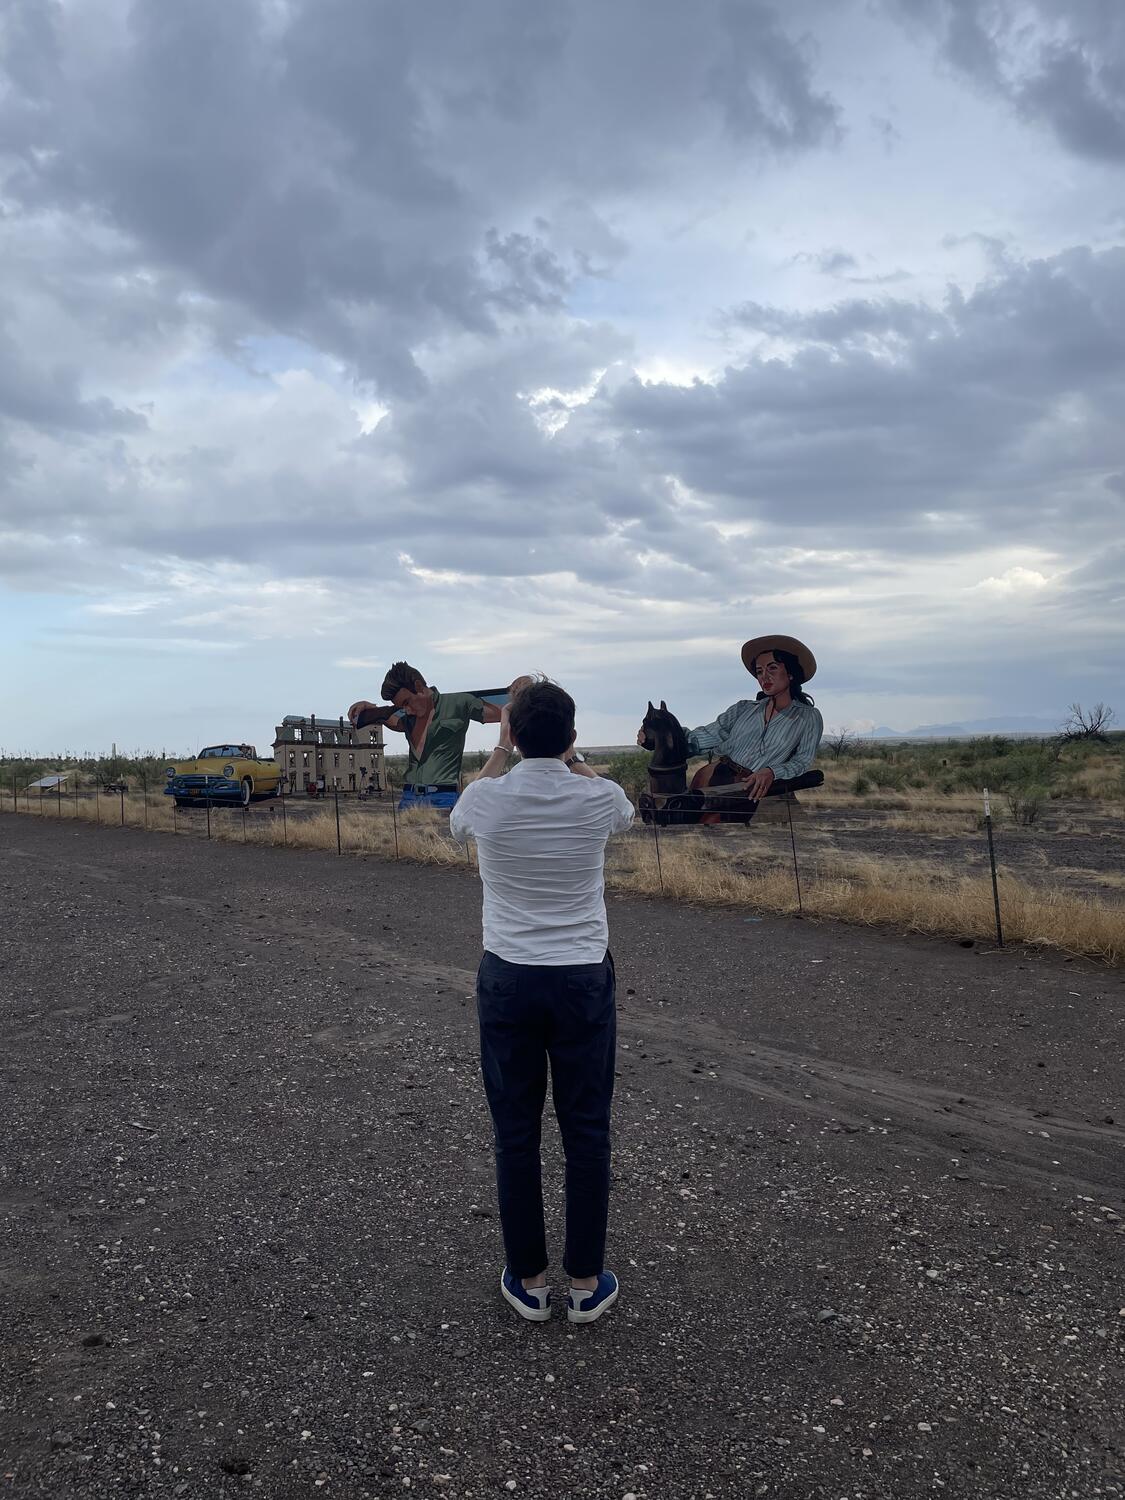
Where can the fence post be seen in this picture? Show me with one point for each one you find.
(394, 812)
(992, 863)
(284, 824)
(656, 841)
(336, 795)
(793, 842)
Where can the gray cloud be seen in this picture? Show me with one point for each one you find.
(363, 175)
(1063, 66)
(999, 408)
(344, 300)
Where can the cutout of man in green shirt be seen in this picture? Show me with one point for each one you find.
(435, 725)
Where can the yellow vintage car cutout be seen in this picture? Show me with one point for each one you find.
(223, 773)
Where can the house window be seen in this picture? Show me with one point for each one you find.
(305, 758)
(351, 781)
(335, 760)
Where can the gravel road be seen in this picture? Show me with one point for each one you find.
(866, 1209)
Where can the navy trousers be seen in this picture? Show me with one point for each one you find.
(530, 1014)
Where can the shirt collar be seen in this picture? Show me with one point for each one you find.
(542, 765)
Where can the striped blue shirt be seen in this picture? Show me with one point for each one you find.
(786, 745)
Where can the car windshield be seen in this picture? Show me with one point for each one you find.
(217, 752)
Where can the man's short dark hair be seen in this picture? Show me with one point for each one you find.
(402, 675)
(542, 720)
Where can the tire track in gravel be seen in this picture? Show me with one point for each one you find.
(1015, 1144)
(1012, 1141)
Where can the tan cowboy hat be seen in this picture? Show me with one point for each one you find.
(788, 643)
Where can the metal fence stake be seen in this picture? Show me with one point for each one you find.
(656, 841)
(284, 825)
(394, 813)
(122, 794)
(58, 796)
(992, 863)
(793, 842)
(336, 795)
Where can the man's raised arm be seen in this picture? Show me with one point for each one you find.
(363, 714)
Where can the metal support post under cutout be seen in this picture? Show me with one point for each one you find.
(992, 863)
(394, 812)
(284, 824)
(121, 794)
(793, 842)
(336, 795)
(656, 841)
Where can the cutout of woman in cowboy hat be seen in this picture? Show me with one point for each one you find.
(773, 737)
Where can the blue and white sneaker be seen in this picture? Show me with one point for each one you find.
(584, 1307)
(533, 1304)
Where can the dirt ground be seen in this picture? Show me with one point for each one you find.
(867, 1208)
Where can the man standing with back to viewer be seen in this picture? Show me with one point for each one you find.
(545, 989)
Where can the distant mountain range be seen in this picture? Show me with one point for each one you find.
(1011, 724)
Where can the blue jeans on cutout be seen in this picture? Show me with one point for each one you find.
(444, 800)
(530, 1014)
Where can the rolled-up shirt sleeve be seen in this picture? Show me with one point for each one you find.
(804, 752)
(623, 812)
(710, 736)
(461, 817)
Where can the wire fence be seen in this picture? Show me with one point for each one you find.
(788, 860)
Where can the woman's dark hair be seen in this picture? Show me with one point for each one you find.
(401, 675)
(793, 667)
(542, 720)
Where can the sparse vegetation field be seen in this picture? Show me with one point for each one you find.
(895, 837)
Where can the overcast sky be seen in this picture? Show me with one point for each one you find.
(592, 337)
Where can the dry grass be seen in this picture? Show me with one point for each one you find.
(911, 896)
(937, 825)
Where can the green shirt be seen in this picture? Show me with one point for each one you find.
(444, 747)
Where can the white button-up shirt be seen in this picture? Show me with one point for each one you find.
(541, 834)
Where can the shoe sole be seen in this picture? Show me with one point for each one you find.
(532, 1314)
(595, 1313)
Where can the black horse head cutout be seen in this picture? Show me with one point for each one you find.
(664, 737)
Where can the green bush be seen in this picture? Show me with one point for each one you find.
(1025, 802)
(861, 785)
(889, 778)
(630, 771)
